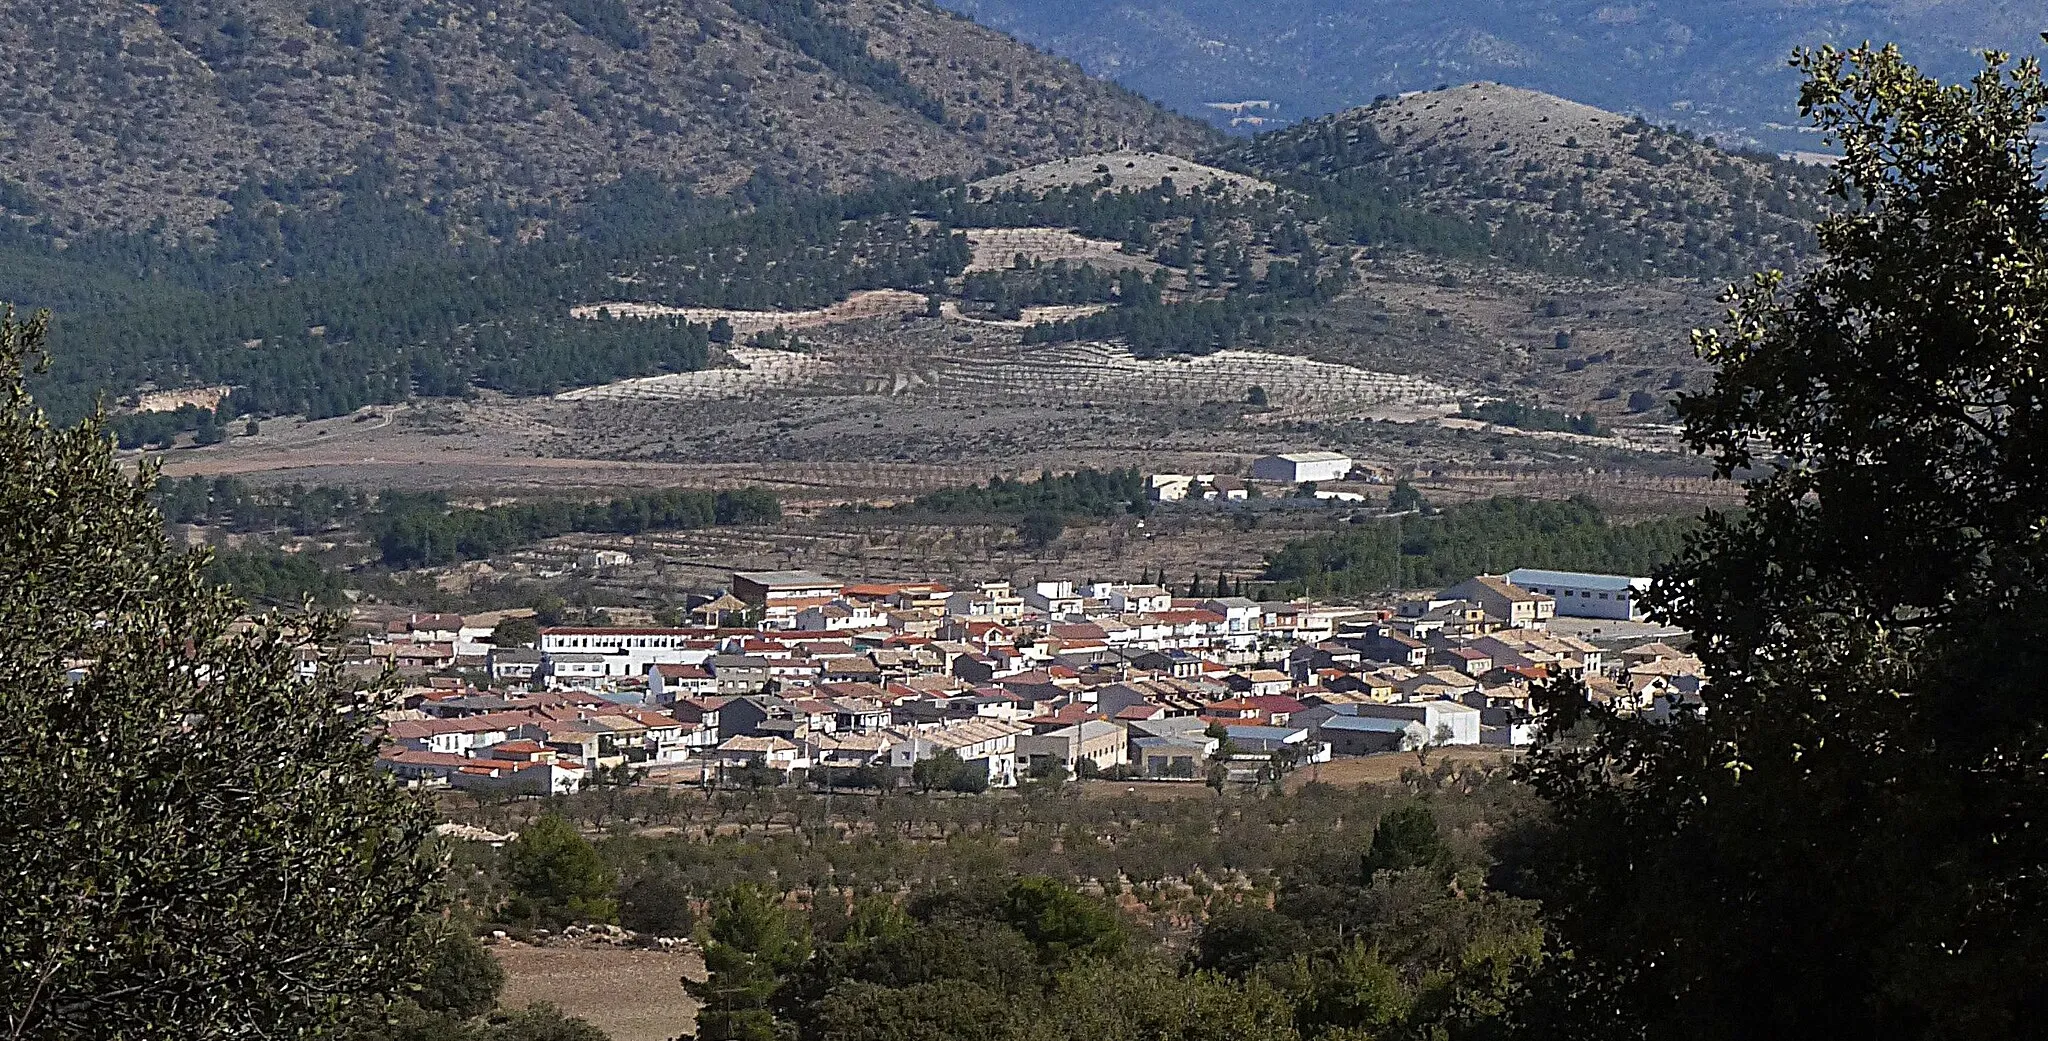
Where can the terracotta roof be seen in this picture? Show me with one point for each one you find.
(1275, 703)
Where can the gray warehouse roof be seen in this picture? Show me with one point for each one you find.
(1529, 576)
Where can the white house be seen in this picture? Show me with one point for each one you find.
(1461, 720)
(1302, 467)
(840, 615)
(575, 666)
(628, 651)
(988, 743)
(1582, 595)
(1128, 597)
(1055, 599)
(1241, 618)
(1169, 487)
(992, 600)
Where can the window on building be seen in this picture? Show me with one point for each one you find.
(1603, 596)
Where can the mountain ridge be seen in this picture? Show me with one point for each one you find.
(126, 116)
(1715, 66)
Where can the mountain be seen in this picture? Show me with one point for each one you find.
(1717, 66)
(1556, 183)
(122, 115)
(1353, 238)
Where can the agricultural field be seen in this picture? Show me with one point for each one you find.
(997, 248)
(868, 303)
(630, 994)
(888, 547)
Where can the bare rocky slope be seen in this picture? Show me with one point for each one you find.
(118, 114)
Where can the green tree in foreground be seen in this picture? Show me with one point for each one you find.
(197, 842)
(557, 876)
(1848, 840)
(1061, 923)
(946, 771)
(462, 979)
(751, 945)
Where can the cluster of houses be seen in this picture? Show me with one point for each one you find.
(792, 671)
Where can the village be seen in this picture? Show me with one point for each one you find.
(792, 676)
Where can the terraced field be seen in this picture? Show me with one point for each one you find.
(1098, 372)
(996, 248)
(755, 371)
(1063, 373)
(871, 303)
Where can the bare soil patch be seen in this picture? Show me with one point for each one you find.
(631, 995)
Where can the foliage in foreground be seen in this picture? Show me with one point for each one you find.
(1381, 944)
(197, 842)
(1848, 841)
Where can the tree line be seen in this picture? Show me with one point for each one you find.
(1085, 492)
(1525, 416)
(1419, 551)
(421, 530)
(321, 295)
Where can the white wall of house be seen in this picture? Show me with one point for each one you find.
(1302, 467)
(1462, 720)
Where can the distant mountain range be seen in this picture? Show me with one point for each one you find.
(1715, 66)
(119, 114)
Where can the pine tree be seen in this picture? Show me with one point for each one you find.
(752, 945)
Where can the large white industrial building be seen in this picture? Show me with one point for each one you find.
(1302, 467)
(1582, 595)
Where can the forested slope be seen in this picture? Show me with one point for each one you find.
(1555, 179)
